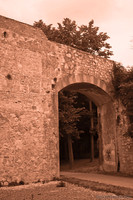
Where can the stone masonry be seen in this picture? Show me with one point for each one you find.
(32, 72)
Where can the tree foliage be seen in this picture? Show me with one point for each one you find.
(85, 37)
(75, 114)
(69, 114)
(123, 85)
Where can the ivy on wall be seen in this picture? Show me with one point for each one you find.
(123, 90)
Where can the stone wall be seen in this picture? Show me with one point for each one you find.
(25, 150)
(125, 143)
(32, 72)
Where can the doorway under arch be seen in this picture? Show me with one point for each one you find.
(78, 132)
(97, 92)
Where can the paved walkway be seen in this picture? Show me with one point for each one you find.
(126, 182)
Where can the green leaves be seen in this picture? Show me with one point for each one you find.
(85, 37)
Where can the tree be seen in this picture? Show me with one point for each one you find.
(86, 38)
(73, 110)
(69, 115)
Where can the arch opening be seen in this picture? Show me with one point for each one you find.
(104, 148)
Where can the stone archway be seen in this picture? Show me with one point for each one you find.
(29, 84)
(97, 91)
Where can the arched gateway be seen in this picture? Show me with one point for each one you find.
(33, 71)
(96, 90)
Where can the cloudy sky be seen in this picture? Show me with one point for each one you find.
(112, 16)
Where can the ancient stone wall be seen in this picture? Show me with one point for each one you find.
(125, 143)
(24, 147)
(32, 72)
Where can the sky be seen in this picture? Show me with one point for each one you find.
(112, 16)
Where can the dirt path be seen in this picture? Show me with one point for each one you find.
(82, 165)
(101, 178)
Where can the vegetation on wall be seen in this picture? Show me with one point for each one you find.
(85, 37)
(123, 84)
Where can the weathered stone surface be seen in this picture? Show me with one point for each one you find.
(32, 72)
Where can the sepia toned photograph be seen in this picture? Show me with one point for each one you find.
(66, 99)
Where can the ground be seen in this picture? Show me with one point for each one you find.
(86, 166)
(82, 165)
(70, 191)
(50, 191)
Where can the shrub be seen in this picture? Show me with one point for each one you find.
(122, 81)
